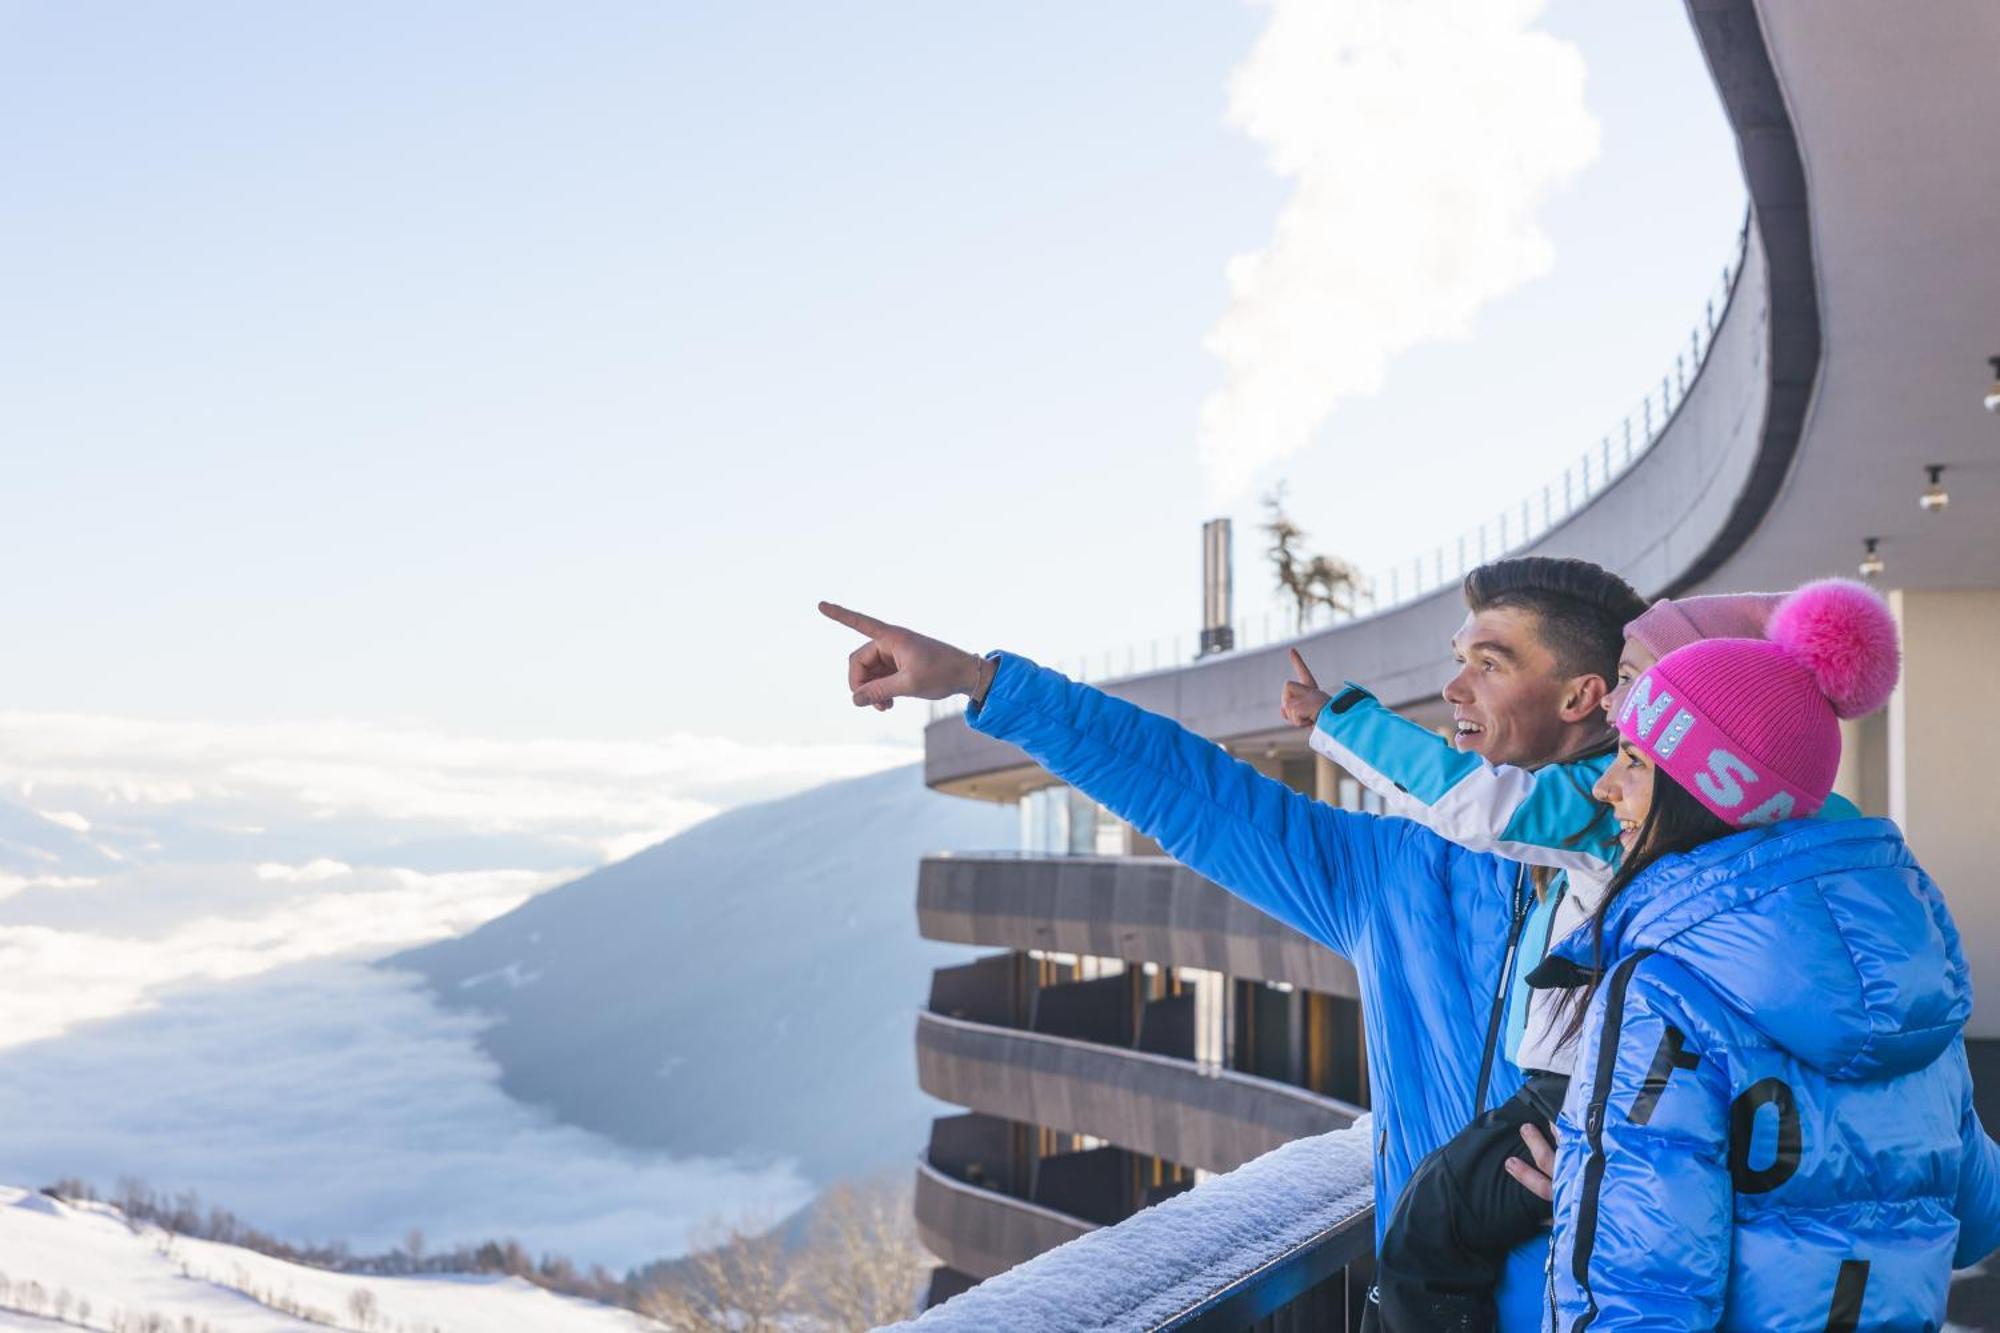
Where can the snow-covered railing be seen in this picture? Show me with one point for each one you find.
(1223, 1255)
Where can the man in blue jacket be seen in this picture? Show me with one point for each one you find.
(1433, 930)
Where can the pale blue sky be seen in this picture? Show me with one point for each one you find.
(530, 369)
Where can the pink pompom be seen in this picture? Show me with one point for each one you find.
(1842, 632)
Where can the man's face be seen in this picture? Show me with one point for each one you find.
(1507, 699)
(1634, 659)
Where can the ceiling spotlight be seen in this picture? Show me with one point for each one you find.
(1871, 562)
(1935, 497)
(1993, 393)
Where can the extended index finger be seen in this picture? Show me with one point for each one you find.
(1301, 670)
(854, 620)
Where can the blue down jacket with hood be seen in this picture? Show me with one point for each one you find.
(1426, 923)
(1771, 1124)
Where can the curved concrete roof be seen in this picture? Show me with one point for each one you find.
(1893, 108)
(1851, 354)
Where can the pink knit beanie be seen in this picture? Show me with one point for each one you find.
(1670, 624)
(1751, 727)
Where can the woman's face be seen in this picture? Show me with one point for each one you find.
(1627, 787)
(1633, 660)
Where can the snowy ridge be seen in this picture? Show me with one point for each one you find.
(1169, 1257)
(84, 1260)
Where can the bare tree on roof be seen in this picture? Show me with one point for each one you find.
(1319, 580)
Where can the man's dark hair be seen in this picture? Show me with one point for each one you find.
(1580, 609)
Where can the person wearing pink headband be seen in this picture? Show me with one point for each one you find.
(1751, 727)
(1770, 1123)
(1672, 623)
(1460, 1214)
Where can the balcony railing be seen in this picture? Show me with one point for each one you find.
(1288, 1233)
(982, 1231)
(1445, 565)
(1138, 908)
(1221, 1118)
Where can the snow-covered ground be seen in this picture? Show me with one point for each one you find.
(87, 1253)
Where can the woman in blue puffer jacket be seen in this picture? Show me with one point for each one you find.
(1771, 1125)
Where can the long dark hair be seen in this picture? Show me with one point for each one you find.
(1676, 822)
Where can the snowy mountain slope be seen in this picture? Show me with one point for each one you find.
(86, 1252)
(746, 988)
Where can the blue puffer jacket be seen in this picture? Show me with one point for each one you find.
(1428, 925)
(1771, 1122)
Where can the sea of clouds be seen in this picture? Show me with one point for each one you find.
(187, 914)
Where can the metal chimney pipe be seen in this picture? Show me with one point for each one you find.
(1218, 588)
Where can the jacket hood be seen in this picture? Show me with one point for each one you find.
(1826, 936)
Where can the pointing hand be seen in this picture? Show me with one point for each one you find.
(1302, 698)
(898, 663)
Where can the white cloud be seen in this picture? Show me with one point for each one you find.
(335, 1100)
(1424, 140)
(223, 850)
(53, 980)
(312, 872)
(155, 1025)
(408, 773)
(13, 884)
(621, 845)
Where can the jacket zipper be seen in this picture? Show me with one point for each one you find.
(1493, 1023)
(1549, 1272)
(1583, 1229)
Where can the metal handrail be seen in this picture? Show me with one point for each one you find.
(1222, 1255)
(1518, 525)
(1249, 1298)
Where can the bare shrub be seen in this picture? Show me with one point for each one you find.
(736, 1281)
(862, 1265)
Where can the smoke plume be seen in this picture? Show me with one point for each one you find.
(1423, 137)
